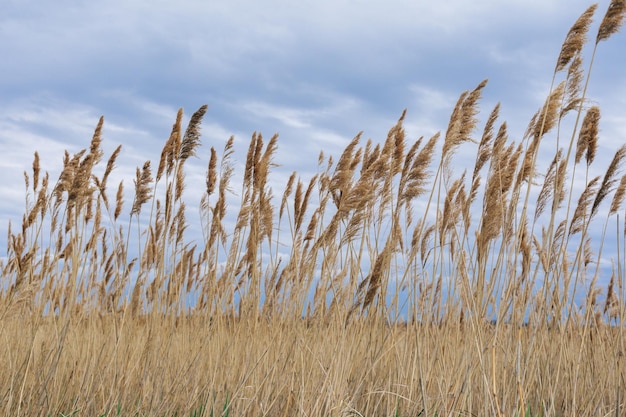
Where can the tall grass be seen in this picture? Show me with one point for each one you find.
(409, 288)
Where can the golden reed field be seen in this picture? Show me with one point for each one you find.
(388, 284)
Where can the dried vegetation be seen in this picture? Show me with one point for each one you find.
(387, 284)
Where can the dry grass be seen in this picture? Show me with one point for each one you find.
(408, 289)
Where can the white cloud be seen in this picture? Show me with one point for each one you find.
(317, 72)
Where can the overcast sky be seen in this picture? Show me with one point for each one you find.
(316, 72)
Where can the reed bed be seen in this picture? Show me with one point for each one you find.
(388, 283)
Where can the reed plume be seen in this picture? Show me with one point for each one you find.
(119, 198)
(588, 137)
(191, 140)
(612, 21)
(107, 171)
(211, 176)
(462, 121)
(370, 286)
(618, 197)
(548, 185)
(166, 162)
(252, 159)
(611, 303)
(583, 207)
(418, 174)
(340, 181)
(575, 77)
(297, 205)
(451, 207)
(287, 193)
(172, 147)
(219, 210)
(608, 182)
(143, 192)
(576, 38)
(545, 119)
(484, 147)
(398, 135)
(66, 179)
(36, 171)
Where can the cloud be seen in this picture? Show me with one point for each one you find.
(316, 72)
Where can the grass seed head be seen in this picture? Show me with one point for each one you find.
(612, 21)
(576, 38)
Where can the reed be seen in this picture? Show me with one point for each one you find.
(392, 282)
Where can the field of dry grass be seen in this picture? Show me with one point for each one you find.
(409, 289)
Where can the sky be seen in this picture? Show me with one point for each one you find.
(315, 72)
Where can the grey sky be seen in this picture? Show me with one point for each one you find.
(316, 72)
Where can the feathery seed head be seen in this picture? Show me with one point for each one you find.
(462, 121)
(576, 38)
(574, 83)
(174, 142)
(36, 170)
(613, 20)
(143, 192)
(548, 185)
(588, 136)
(211, 177)
(549, 114)
(609, 178)
(618, 198)
(191, 140)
